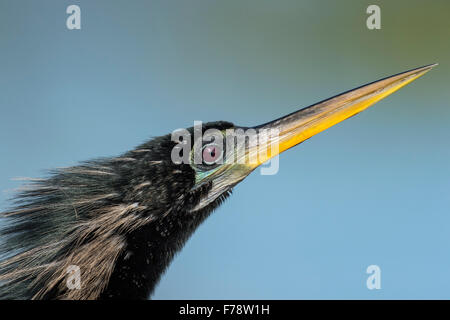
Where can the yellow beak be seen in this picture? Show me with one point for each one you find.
(307, 122)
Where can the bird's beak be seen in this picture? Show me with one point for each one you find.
(254, 146)
(296, 127)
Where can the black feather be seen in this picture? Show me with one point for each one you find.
(123, 219)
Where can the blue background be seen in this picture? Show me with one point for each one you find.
(371, 190)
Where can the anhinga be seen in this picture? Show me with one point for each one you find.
(121, 220)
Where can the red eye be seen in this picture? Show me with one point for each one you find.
(211, 154)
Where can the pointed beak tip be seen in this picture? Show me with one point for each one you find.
(428, 67)
(418, 72)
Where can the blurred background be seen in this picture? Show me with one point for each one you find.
(371, 190)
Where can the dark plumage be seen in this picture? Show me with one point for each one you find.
(121, 220)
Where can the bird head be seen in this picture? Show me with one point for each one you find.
(222, 154)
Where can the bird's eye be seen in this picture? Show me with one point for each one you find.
(211, 154)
